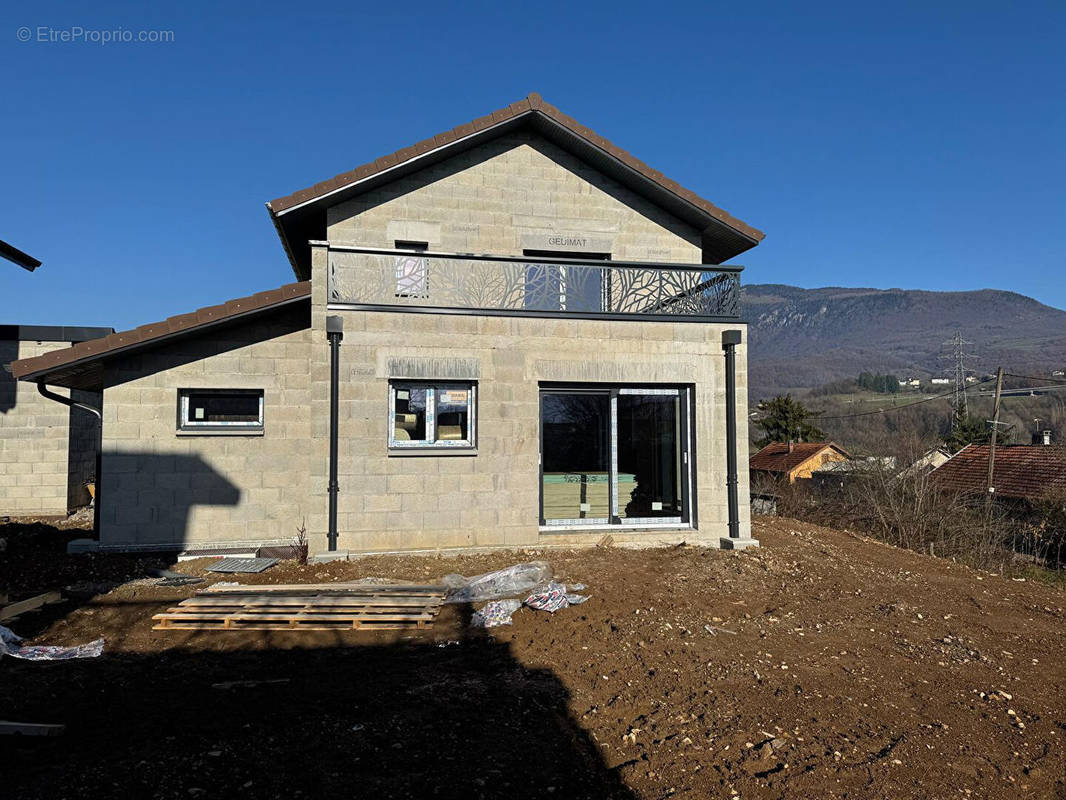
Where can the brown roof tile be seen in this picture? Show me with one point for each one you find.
(1029, 472)
(533, 103)
(32, 368)
(783, 458)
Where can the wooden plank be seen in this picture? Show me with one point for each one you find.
(30, 729)
(321, 588)
(359, 610)
(332, 602)
(201, 626)
(32, 604)
(288, 617)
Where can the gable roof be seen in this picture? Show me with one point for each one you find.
(300, 217)
(79, 366)
(1026, 472)
(779, 457)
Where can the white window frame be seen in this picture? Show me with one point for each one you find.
(186, 425)
(430, 442)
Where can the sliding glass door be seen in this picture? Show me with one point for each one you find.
(575, 457)
(649, 455)
(614, 455)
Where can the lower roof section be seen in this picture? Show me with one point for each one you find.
(80, 366)
(51, 333)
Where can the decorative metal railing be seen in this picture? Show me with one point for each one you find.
(372, 277)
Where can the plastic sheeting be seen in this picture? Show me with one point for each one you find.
(498, 612)
(554, 597)
(11, 645)
(516, 580)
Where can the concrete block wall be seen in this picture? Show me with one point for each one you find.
(491, 499)
(43, 467)
(162, 489)
(493, 198)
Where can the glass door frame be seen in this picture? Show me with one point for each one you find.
(687, 443)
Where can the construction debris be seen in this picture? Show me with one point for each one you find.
(10, 645)
(516, 580)
(306, 608)
(13, 610)
(30, 729)
(498, 612)
(554, 597)
(243, 564)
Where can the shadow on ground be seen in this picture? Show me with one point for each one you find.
(416, 718)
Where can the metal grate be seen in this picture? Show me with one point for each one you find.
(243, 564)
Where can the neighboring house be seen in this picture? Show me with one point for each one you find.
(48, 452)
(585, 374)
(927, 461)
(1029, 473)
(834, 475)
(940, 381)
(780, 461)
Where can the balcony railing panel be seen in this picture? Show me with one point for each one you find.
(370, 277)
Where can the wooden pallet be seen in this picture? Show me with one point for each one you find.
(366, 608)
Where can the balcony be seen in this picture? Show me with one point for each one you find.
(396, 280)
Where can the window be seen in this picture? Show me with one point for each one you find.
(215, 410)
(615, 456)
(412, 271)
(432, 414)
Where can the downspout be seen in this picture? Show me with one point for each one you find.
(730, 340)
(48, 393)
(334, 332)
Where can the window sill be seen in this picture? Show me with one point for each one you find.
(259, 432)
(404, 452)
(662, 526)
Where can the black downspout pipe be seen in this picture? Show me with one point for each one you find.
(730, 340)
(44, 391)
(334, 332)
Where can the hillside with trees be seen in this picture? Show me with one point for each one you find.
(804, 338)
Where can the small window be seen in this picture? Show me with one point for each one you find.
(432, 414)
(412, 271)
(235, 410)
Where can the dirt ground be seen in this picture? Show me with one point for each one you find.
(838, 668)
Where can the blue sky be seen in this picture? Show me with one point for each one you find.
(916, 145)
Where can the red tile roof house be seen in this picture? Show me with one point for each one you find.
(1031, 473)
(514, 333)
(790, 461)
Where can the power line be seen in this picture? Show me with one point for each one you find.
(1036, 378)
(906, 405)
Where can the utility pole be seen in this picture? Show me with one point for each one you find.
(992, 439)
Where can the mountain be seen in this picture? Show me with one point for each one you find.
(806, 337)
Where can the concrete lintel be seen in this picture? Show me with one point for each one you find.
(729, 543)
